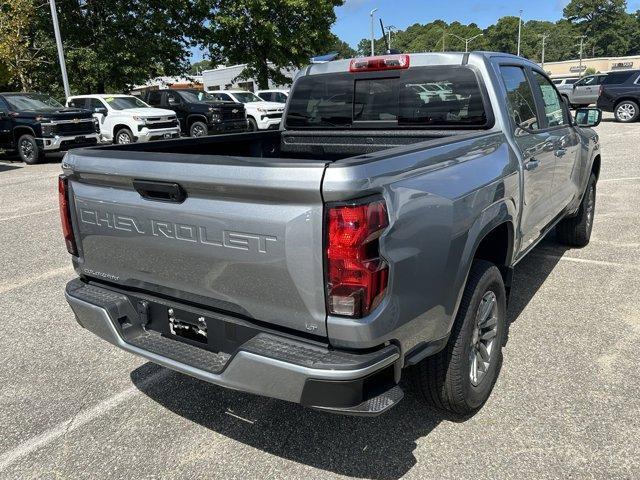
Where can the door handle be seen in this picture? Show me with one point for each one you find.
(532, 164)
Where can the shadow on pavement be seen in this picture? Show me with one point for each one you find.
(5, 167)
(380, 448)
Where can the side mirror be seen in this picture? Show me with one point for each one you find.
(101, 110)
(588, 117)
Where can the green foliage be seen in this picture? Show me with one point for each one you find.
(199, 67)
(609, 30)
(284, 32)
(337, 45)
(111, 45)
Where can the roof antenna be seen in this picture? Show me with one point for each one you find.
(389, 51)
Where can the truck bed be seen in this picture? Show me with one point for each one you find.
(290, 145)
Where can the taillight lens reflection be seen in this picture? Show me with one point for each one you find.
(356, 273)
(65, 216)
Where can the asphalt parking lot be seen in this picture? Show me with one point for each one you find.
(567, 403)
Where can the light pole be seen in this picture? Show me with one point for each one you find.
(372, 39)
(56, 30)
(466, 40)
(519, 30)
(544, 40)
(581, 37)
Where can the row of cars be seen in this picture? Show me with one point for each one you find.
(34, 124)
(617, 92)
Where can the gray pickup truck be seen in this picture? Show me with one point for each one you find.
(372, 236)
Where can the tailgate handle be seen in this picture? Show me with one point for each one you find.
(160, 191)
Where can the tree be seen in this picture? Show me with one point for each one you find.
(198, 67)
(268, 35)
(605, 24)
(19, 49)
(337, 45)
(111, 45)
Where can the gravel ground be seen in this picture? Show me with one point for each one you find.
(567, 403)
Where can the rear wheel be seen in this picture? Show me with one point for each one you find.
(576, 231)
(124, 136)
(29, 151)
(627, 111)
(460, 378)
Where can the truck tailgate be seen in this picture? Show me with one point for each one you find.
(246, 240)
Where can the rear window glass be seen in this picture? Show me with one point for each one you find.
(424, 97)
(618, 77)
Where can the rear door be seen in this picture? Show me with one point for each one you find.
(536, 148)
(585, 91)
(246, 240)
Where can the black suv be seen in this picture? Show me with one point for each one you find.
(199, 112)
(34, 124)
(620, 94)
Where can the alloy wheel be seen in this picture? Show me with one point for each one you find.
(198, 131)
(124, 137)
(626, 111)
(483, 338)
(27, 150)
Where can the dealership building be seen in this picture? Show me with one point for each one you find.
(572, 68)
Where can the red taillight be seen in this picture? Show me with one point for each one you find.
(375, 64)
(356, 273)
(65, 216)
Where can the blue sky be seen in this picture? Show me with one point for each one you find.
(353, 22)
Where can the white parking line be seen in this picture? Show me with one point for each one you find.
(39, 212)
(618, 179)
(587, 260)
(25, 448)
(7, 287)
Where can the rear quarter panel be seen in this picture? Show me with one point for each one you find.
(442, 200)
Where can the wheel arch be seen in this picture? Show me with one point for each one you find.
(195, 117)
(625, 99)
(595, 167)
(120, 126)
(22, 130)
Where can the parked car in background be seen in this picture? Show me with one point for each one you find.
(620, 94)
(198, 117)
(372, 237)
(278, 96)
(561, 82)
(261, 115)
(35, 124)
(127, 119)
(584, 92)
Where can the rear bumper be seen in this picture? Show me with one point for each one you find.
(267, 364)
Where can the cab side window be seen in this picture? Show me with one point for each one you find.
(554, 110)
(173, 98)
(94, 103)
(155, 97)
(520, 99)
(77, 103)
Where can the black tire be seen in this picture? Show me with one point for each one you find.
(198, 129)
(29, 151)
(252, 125)
(576, 231)
(123, 136)
(626, 111)
(444, 380)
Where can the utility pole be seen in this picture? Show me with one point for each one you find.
(519, 30)
(544, 40)
(466, 40)
(389, 29)
(581, 37)
(56, 30)
(372, 34)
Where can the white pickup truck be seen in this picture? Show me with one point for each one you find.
(127, 119)
(261, 115)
